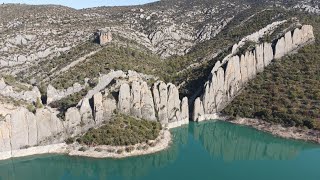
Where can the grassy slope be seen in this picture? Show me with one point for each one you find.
(122, 131)
(288, 91)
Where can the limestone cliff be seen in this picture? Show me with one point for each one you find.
(22, 129)
(228, 77)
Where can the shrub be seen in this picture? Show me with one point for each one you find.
(129, 149)
(69, 140)
(122, 131)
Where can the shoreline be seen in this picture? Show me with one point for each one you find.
(294, 133)
(162, 142)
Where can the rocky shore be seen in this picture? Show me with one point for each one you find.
(278, 130)
(159, 144)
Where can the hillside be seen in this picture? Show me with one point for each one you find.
(170, 61)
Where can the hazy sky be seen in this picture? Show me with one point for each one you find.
(78, 4)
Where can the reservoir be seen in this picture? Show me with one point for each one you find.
(211, 150)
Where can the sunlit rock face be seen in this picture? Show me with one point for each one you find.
(226, 81)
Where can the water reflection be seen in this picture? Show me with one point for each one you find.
(62, 167)
(230, 142)
(203, 148)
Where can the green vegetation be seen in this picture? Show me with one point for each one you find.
(288, 91)
(11, 81)
(70, 101)
(49, 67)
(122, 131)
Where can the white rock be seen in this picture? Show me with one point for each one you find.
(124, 99)
(135, 103)
(147, 104)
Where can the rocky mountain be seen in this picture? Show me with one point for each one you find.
(64, 71)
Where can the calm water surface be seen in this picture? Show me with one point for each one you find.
(209, 150)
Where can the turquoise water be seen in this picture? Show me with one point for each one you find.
(209, 150)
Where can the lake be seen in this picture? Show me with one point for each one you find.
(209, 150)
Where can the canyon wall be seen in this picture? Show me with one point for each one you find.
(22, 128)
(130, 94)
(229, 76)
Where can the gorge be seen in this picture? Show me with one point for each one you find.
(133, 96)
(174, 89)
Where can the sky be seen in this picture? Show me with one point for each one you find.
(79, 4)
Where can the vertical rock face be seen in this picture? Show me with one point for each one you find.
(259, 57)
(223, 85)
(244, 68)
(98, 108)
(147, 105)
(173, 103)
(280, 48)
(160, 94)
(288, 42)
(198, 110)
(49, 126)
(72, 122)
(5, 135)
(268, 54)
(184, 110)
(297, 38)
(124, 99)
(109, 105)
(86, 114)
(19, 129)
(135, 109)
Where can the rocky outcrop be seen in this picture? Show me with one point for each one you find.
(98, 108)
(49, 127)
(159, 103)
(8, 91)
(54, 95)
(124, 99)
(160, 95)
(147, 104)
(229, 76)
(72, 122)
(23, 129)
(104, 81)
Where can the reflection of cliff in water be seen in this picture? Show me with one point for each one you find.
(62, 167)
(232, 142)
